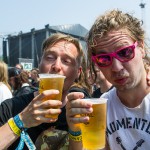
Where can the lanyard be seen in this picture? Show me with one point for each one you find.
(25, 138)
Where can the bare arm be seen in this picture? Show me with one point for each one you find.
(75, 107)
(78, 145)
(75, 145)
(7, 137)
(32, 115)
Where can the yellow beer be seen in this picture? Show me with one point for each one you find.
(93, 133)
(51, 81)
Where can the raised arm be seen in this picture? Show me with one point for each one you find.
(75, 107)
(33, 115)
(7, 136)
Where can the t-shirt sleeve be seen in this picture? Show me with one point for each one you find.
(11, 107)
(4, 93)
(78, 89)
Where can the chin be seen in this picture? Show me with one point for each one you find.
(124, 87)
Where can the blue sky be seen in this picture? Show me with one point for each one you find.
(23, 15)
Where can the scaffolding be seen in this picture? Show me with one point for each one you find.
(142, 5)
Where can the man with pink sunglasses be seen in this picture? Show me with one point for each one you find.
(116, 45)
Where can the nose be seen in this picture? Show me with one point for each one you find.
(56, 66)
(116, 65)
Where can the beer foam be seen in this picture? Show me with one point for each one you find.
(96, 100)
(46, 75)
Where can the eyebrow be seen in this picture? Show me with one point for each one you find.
(119, 47)
(47, 52)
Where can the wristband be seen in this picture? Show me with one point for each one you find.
(25, 138)
(74, 133)
(75, 138)
(19, 122)
(14, 127)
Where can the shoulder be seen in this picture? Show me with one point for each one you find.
(25, 90)
(110, 94)
(3, 86)
(5, 92)
(79, 89)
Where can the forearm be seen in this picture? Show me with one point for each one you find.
(7, 136)
(73, 145)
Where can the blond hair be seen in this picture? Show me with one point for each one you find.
(4, 73)
(60, 37)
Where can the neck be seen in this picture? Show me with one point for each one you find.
(105, 86)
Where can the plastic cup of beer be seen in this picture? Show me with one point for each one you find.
(51, 81)
(93, 132)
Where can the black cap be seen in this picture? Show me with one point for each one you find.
(12, 72)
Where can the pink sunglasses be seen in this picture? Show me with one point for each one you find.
(124, 54)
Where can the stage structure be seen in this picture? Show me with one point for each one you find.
(25, 48)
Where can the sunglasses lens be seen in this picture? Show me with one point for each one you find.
(125, 54)
(103, 60)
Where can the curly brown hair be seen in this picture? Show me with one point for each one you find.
(112, 21)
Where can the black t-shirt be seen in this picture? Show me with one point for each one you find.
(97, 93)
(24, 90)
(11, 107)
(79, 89)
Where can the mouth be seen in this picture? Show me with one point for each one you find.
(121, 81)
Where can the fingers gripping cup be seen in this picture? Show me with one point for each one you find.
(51, 81)
(93, 132)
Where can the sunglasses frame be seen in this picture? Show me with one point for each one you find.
(114, 55)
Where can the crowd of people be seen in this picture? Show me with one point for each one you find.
(116, 44)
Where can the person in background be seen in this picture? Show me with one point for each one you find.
(5, 89)
(19, 66)
(104, 84)
(23, 85)
(14, 80)
(96, 82)
(61, 54)
(81, 83)
(116, 43)
(147, 63)
(35, 77)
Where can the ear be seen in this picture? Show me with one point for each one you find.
(79, 71)
(141, 46)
